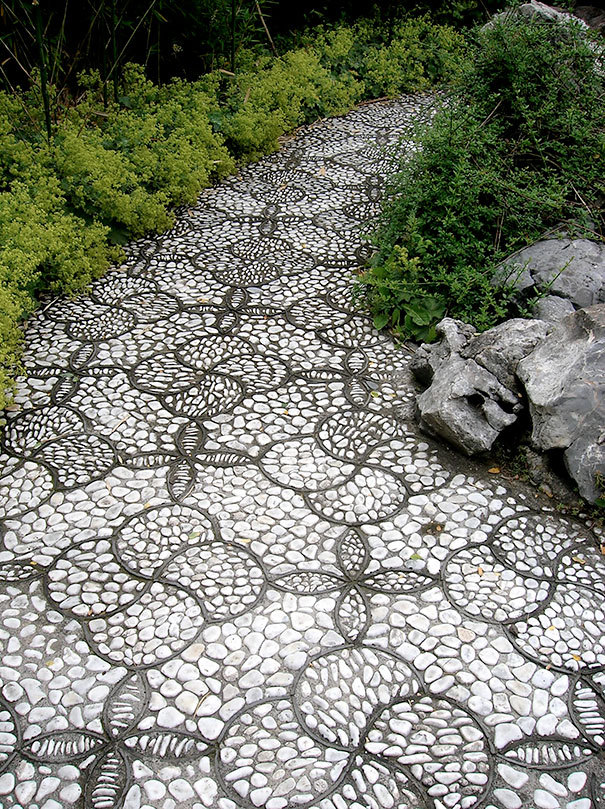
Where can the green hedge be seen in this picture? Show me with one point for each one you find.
(112, 173)
(517, 149)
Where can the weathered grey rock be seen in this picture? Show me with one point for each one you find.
(428, 358)
(500, 349)
(564, 378)
(553, 308)
(542, 11)
(585, 462)
(473, 393)
(570, 268)
(561, 23)
(536, 10)
(544, 474)
(467, 406)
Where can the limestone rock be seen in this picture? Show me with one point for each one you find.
(570, 268)
(536, 10)
(473, 394)
(547, 13)
(553, 308)
(564, 378)
(454, 336)
(500, 349)
(593, 16)
(467, 406)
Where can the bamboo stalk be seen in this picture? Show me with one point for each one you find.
(233, 36)
(262, 19)
(43, 73)
(114, 50)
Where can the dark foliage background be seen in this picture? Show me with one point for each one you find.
(176, 37)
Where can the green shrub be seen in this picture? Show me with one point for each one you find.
(167, 136)
(409, 55)
(100, 183)
(295, 89)
(516, 149)
(421, 55)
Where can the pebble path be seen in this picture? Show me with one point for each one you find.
(233, 574)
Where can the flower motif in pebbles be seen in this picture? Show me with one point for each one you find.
(359, 578)
(146, 594)
(339, 328)
(254, 261)
(543, 578)
(547, 772)
(107, 756)
(358, 730)
(334, 470)
(117, 305)
(207, 376)
(587, 703)
(57, 439)
(360, 381)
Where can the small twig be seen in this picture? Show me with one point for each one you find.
(129, 40)
(499, 230)
(48, 305)
(485, 121)
(76, 56)
(232, 31)
(119, 424)
(54, 70)
(579, 196)
(14, 56)
(490, 116)
(43, 70)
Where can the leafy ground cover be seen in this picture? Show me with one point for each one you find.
(516, 148)
(115, 170)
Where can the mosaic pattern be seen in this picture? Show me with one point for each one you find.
(234, 575)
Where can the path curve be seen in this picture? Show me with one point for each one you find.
(233, 574)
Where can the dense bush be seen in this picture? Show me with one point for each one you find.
(112, 172)
(516, 149)
(42, 247)
(287, 18)
(288, 92)
(414, 50)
